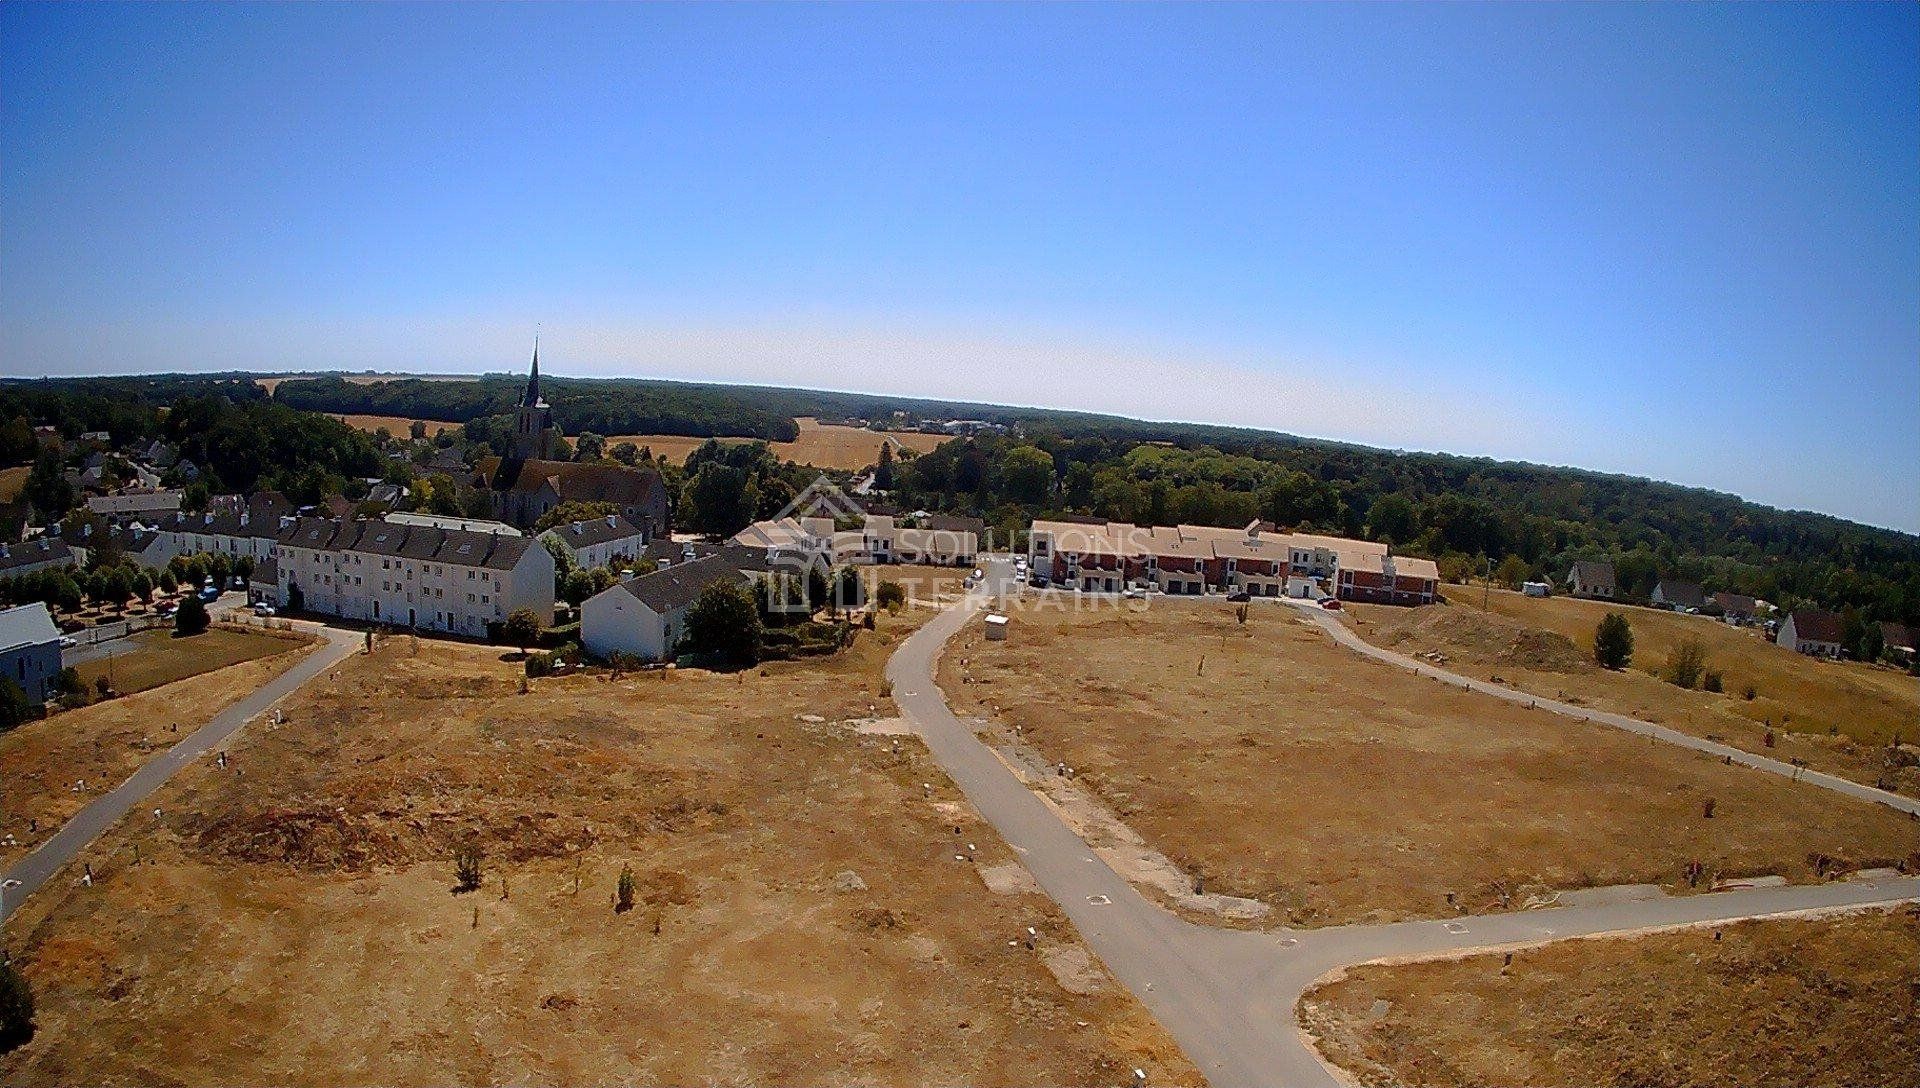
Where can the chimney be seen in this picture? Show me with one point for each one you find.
(612, 520)
(245, 516)
(207, 518)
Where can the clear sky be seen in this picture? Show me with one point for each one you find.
(1673, 240)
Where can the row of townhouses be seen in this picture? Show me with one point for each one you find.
(1111, 556)
(454, 581)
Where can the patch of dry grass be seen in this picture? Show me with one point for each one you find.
(1837, 716)
(157, 657)
(104, 743)
(295, 924)
(1338, 789)
(1804, 1002)
(12, 480)
(400, 427)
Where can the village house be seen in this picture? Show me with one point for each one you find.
(30, 649)
(645, 616)
(40, 553)
(598, 541)
(226, 528)
(1813, 632)
(1678, 596)
(1736, 608)
(1591, 579)
(420, 577)
(1898, 639)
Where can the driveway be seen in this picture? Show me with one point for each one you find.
(30, 872)
(1228, 997)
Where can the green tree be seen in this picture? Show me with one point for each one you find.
(15, 707)
(1391, 518)
(574, 510)
(625, 452)
(1027, 472)
(47, 488)
(522, 628)
(1513, 571)
(16, 1007)
(1873, 642)
(589, 447)
(1613, 641)
(724, 621)
(445, 499)
(890, 596)
(883, 469)
(417, 430)
(578, 587)
(192, 617)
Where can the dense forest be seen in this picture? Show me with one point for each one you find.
(602, 407)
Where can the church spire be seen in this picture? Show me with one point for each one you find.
(533, 379)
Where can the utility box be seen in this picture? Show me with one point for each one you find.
(996, 627)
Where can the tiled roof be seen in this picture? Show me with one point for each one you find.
(586, 534)
(34, 552)
(1589, 572)
(677, 586)
(27, 625)
(1813, 625)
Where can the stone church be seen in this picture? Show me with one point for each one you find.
(529, 481)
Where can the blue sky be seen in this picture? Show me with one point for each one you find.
(1677, 241)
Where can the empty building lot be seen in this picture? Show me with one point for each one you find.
(1838, 717)
(1276, 765)
(799, 913)
(1824, 1003)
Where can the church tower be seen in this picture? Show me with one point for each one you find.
(533, 421)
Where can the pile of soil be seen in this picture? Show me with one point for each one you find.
(1481, 637)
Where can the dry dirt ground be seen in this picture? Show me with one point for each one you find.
(12, 480)
(1795, 1003)
(800, 915)
(100, 745)
(1839, 717)
(1285, 768)
(820, 445)
(159, 658)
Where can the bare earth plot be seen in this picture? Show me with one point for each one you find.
(799, 917)
(1839, 717)
(156, 657)
(102, 744)
(823, 445)
(1284, 768)
(1809, 1003)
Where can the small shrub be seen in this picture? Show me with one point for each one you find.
(192, 617)
(1685, 664)
(539, 665)
(466, 867)
(891, 596)
(1750, 692)
(1711, 681)
(623, 892)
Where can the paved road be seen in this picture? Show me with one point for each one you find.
(1346, 637)
(86, 825)
(1227, 996)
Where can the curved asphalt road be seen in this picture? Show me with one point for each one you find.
(1228, 996)
(86, 825)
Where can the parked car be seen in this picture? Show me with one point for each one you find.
(1239, 595)
(263, 609)
(68, 642)
(1331, 604)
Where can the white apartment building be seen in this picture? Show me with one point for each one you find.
(420, 577)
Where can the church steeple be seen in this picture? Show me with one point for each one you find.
(532, 397)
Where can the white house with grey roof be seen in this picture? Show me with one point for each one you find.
(644, 617)
(597, 542)
(40, 553)
(30, 649)
(420, 577)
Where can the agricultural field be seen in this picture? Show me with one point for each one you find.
(1281, 767)
(798, 913)
(397, 426)
(100, 745)
(1840, 717)
(822, 445)
(151, 658)
(1824, 1003)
